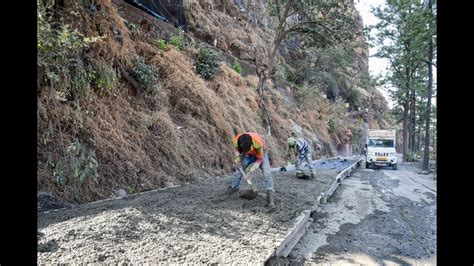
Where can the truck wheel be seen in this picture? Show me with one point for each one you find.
(394, 167)
(366, 165)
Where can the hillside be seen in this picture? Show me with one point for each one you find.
(121, 105)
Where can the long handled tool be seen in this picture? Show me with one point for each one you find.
(251, 193)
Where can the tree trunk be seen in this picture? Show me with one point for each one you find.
(413, 120)
(410, 111)
(409, 130)
(261, 93)
(406, 106)
(433, 141)
(263, 76)
(420, 135)
(426, 154)
(264, 71)
(406, 109)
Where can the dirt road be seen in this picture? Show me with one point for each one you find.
(376, 217)
(195, 223)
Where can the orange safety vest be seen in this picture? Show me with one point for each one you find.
(257, 148)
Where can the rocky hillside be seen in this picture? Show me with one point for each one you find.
(122, 107)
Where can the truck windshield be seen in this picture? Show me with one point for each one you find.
(385, 143)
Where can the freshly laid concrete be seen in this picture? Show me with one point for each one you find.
(195, 223)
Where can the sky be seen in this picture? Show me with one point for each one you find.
(376, 65)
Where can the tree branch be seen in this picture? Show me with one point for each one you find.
(291, 14)
(428, 62)
(300, 25)
(278, 9)
(282, 17)
(126, 76)
(394, 66)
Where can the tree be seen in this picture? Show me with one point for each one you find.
(400, 36)
(317, 23)
(432, 30)
(418, 107)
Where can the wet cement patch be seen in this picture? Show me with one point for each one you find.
(337, 164)
(196, 223)
(396, 236)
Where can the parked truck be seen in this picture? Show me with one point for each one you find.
(380, 148)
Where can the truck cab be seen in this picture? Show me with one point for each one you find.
(380, 148)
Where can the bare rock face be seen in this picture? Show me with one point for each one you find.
(228, 26)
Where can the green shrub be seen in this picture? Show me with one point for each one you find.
(332, 126)
(420, 154)
(302, 93)
(279, 74)
(134, 28)
(161, 44)
(290, 75)
(236, 66)
(78, 163)
(80, 85)
(352, 97)
(78, 116)
(59, 50)
(146, 75)
(106, 79)
(178, 41)
(207, 63)
(327, 82)
(410, 157)
(272, 8)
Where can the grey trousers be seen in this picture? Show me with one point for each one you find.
(304, 157)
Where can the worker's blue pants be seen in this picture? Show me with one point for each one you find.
(246, 161)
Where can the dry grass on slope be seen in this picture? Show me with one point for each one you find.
(142, 140)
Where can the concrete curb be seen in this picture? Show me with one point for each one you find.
(303, 221)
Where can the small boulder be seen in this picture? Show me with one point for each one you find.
(169, 184)
(120, 193)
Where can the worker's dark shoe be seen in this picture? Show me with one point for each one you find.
(302, 175)
(270, 200)
(299, 174)
(313, 175)
(231, 190)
